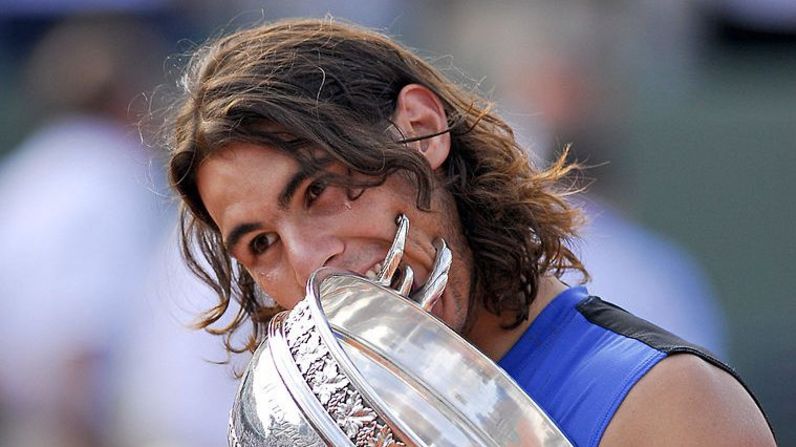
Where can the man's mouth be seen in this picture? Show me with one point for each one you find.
(403, 279)
(399, 276)
(391, 272)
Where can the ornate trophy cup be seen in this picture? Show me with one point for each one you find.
(361, 362)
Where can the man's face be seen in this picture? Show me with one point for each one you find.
(282, 227)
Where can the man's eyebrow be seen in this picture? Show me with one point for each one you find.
(290, 188)
(306, 171)
(238, 232)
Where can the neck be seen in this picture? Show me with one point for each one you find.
(488, 335)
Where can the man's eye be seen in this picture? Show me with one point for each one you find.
(315, 190)
(261, 243)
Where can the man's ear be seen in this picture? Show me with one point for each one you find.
(419, 112)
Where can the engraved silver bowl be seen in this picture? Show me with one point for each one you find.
(355, 363)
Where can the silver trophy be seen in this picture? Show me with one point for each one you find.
(362, 362)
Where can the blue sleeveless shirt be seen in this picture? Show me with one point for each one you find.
(581, 356)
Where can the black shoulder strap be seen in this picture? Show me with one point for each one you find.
(620, 321)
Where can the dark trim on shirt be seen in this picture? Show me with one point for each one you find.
(620, 321)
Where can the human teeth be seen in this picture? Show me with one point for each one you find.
(374, 271)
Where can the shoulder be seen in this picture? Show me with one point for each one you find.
(686, 401)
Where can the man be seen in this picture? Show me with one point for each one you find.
(298, 143)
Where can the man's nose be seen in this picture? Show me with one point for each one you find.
(309, 249)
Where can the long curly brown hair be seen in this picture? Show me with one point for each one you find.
(332, 86)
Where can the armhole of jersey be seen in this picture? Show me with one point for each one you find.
(618, 320)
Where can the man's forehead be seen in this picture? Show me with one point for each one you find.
(277, 162)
